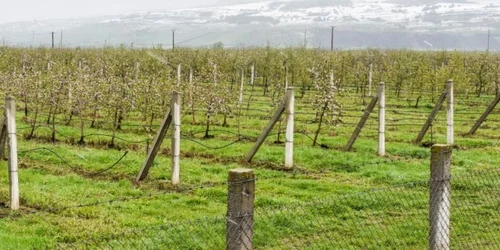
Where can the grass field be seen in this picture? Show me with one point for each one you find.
(65, 201)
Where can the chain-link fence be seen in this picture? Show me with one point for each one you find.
(396, 217)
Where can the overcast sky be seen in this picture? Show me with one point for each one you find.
(26, 10)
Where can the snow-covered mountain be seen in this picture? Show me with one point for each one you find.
(419, 24)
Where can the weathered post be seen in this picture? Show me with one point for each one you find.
(361, 123)
(381, 119)
(289, 109)
(440, 197)
(431, 117)
(3, 137)
(265, 132)
(449, 120)
(10, 115)
(483, 117)
(175, 106)
(153, 151)
(240, 203)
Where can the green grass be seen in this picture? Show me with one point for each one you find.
(65, 202)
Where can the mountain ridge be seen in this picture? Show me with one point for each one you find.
(424, 24)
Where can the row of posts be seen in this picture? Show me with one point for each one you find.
(8, 133)
(241, 196)
(241, 182)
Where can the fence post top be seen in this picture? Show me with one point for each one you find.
(241, 170)
(10, 98)
(438, 148)
(290, 88)
(240, 174)
(450, 81)
(381, 83)
(176, 93)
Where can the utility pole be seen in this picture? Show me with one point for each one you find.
(61, 39)
(173, 39)
(488, 48)
(333, 32)
(52, 39)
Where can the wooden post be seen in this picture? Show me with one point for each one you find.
(431, 117)
(175, 106)
(381, 119)
(483, 117)
(265, 132)
(449, 114)
(440, 197)
(3, 138)
(370, 75)
(361, 123)
(156, 146)
(290, 109)
(179, 74)
(240, 100)
(240, 203)
(10, 115)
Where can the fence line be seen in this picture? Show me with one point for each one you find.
(391, 217)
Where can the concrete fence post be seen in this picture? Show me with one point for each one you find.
(175, 106)
(242, 82)
(240, 204)
(179, 74)
(449, 118)
(370, 77)
(381, 119)
(440, 197)
(289, 110)
(10, 116)
(449, 114)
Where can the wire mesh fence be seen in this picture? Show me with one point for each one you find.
(395, 217)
